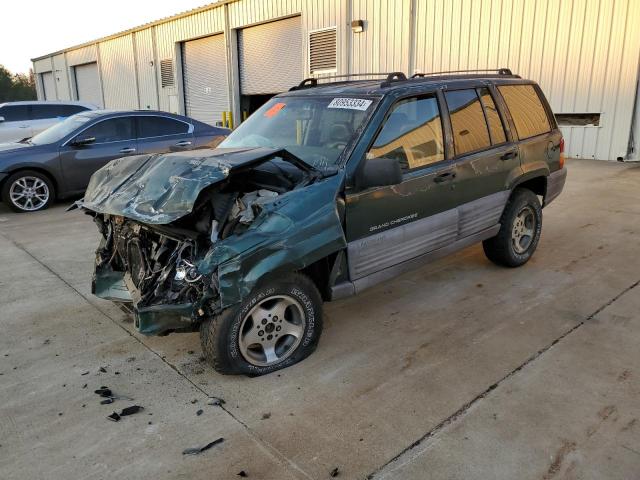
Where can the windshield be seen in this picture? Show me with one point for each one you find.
(315, 129)
(60, 130)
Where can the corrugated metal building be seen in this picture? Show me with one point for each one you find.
(232, 55)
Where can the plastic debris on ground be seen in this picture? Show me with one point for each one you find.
(215, 401)
(115, 416)
(198, 450)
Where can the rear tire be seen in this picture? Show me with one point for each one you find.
(521, 225)
(277, 325)
(28, 191)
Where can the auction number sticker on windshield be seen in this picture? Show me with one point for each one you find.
(350, 103)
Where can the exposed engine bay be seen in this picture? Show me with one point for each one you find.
(159, 261)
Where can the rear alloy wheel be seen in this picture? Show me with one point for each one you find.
(520, 228)
(523, 230)
(27, 191)
(275, 326)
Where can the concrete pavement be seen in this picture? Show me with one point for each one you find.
(458, 370)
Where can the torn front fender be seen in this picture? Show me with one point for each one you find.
(292, 232)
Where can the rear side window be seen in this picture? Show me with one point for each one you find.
(496, 129)
(160, 126)
(527, 111)
(41, 112)
(412, 134)
(470, 132)
(14, 113)
(111, 130)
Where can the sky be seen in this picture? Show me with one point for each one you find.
(32, 28)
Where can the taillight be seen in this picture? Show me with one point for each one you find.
(561, 152)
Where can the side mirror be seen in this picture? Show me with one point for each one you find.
(379, 172)
(81, 141)
(1, 119)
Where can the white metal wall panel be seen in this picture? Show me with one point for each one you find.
(270, 57)
(88, 83)
(584, 54)
(251, 12)
(205, 78)
(61, 76)
(117, 65)
(42, 65)
(48, 85)
(146, 65)
(82, 55)
(383, 46)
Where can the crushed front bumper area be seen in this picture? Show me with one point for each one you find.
(149, 320)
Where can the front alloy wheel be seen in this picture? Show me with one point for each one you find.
(271, 331)
(275, 326)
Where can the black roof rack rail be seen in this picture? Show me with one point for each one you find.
(499, 71)
(314, 81)
(393, 77)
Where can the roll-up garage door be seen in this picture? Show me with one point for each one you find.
(49, 86)
(204, 66)
(270, 57)
(88, 83)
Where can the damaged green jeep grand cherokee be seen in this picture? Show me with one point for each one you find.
(324, 191)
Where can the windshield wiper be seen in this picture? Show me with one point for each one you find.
(307, 167)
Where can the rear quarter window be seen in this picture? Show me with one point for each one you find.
(154, 126)
(526, 108)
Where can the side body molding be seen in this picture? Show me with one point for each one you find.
(384, 255)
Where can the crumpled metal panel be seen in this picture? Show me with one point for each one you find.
(296, 230)
(159, 189)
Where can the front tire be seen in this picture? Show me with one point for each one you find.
(28, 191)
(521, 225)
(276, 326)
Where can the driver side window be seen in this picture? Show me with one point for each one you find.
(411, 134)
(111, 130)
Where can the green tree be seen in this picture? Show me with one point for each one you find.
(15, 87)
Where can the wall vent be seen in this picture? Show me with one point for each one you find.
(578, 119)
(166, 73)
(323, 50)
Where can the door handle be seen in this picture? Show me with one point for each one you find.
(183, 143)
(128, 150)
(509, 155)
(443, 177)
(23, 126)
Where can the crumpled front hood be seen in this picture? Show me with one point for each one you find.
(159, 189)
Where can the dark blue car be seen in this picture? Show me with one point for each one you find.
(59, 161)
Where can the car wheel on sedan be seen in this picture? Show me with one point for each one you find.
(520, 229)
(277, 325)
(28, 191)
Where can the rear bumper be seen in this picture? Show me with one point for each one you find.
(555, 184)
